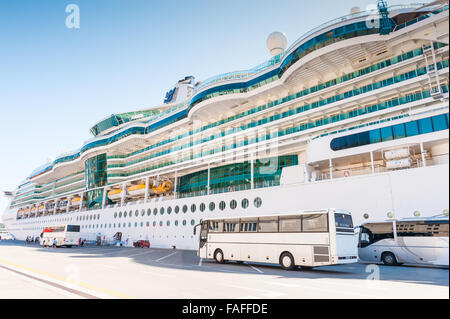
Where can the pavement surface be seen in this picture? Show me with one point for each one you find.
(31, 271)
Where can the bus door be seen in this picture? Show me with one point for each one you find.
(204, 236)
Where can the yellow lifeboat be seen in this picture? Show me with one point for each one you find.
(75, 200)
(33, 209)
(20, 212)
(136, 190)
(27, 210)
(41, 208)
(163, 188)
(115, 194)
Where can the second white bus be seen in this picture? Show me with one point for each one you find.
(307, 239)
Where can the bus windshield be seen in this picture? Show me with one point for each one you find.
(73, 228)
(343, 220)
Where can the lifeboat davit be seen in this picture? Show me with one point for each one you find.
(136, 190)
(163, 188)
(115, 194)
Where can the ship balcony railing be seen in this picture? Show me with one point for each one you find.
(343, 172)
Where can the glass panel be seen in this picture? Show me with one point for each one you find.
(425, 126)
(399, 131)
(439, 123)
(290, 224)
(375, 136)
(411, 128)
(386, 134)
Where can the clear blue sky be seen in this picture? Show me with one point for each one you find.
(55, 82)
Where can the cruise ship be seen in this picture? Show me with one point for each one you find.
(353, 115)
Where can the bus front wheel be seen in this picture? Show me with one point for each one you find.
(287, 261)
(389, 259)
(218, 256)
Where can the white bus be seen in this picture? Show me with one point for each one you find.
(409, 241)
(65, 235)
(307, 239)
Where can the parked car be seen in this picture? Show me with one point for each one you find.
(141, 244)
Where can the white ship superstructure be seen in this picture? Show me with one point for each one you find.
(353, 115)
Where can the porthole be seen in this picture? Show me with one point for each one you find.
(115, 215)
(257, 202)
(135, 224)
(193, 222)
(129, 224)
(169, 210)
(118, 225)
(148, 224)
(160, 223)
(185, 208)
(161, 211)
(222, 205)
(120, 214)
(176, 223)
(142, 213)
(212, 206)
(177, 209)
(366, 216)
(98, 216)
(168, 223)
(136, 213)
(142, 224)
(193, 208)
(155, 211)
(154, 224)
(202, 207)
(244, 203)
(149, 212)
(233, 204)
(125, 214)
(131, 213)
(114, 225)
(124, 224)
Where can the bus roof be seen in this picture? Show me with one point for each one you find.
(303, 212)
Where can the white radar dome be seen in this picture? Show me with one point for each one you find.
(355, 10)
(276, 43)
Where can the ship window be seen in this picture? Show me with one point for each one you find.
(244, 203)
(135, 224)
(136, 213)
(131, 214)
(399, 131)
(176, 223)
(425, 126)
(129, 224)
(155, 211)
(160, 223)
(222, 205)
(177, 209)
(125, 214)
(212, 206)
(185, 208)
(161, 211)
(258, 202)
(386, 134)
(115, 215)
(148, 224)
(202, 207)
(192, 222)
(169, 210)
(149, 212)
(142, 224)
(120, 214)
(193, 208)
(98, 216)
(411, 128)
(168, 223)
(375, 136)
(439, 122)
(233, 204)
(142, 212)
(184, 222)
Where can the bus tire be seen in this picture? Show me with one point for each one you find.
(287, 261)
(218, 256)
(389, 259)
